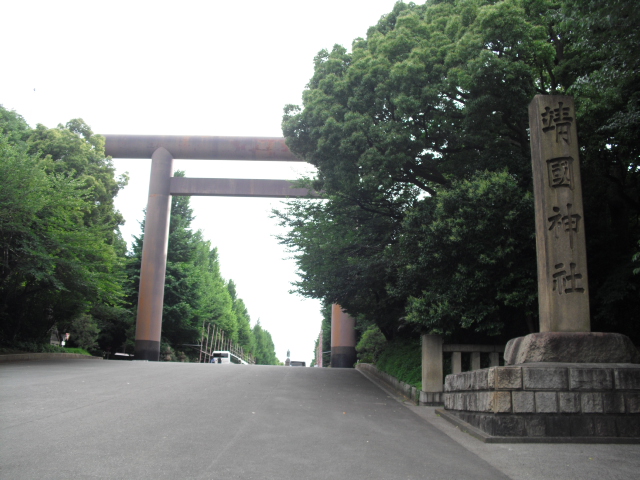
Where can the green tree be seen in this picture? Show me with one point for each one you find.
(73, 156)
(446, 243)
(55, 267)
(344, 256)
(265, 350)
(423, 128)
(13, 127)
(74, 150)
(217, 304)
(245, 334)
(607, 93)
(84, 332)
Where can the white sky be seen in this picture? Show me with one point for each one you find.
(187, 68)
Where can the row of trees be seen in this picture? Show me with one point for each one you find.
(65, 264)
(420, 137)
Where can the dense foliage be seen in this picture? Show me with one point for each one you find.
(420, 137)
(264, 349)
(62, 256)
(65, 267)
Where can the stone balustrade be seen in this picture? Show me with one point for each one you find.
(475, 352)
(433, 351)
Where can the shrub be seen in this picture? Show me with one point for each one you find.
(371, 345)
(84, 332)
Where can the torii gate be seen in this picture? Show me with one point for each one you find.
(163, 149)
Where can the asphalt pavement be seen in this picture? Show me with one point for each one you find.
(93, 419)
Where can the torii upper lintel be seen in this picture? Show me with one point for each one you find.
(200, 147)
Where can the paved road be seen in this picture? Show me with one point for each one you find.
(71, 419)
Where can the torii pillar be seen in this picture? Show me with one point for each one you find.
(154, 257)
(162, 150)
(343, 338)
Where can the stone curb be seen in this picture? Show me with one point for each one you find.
(411, 393)
(22, 357)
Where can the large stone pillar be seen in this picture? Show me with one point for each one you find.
(432, 376)
(154, 258)
(343, 338)
(563, 288)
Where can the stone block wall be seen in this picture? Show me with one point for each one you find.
(566, 400)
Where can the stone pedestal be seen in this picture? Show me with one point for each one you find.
(561, 402)
(583, 347)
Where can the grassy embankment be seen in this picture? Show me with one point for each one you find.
(402, 358)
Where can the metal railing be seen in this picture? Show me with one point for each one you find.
(216, 339)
